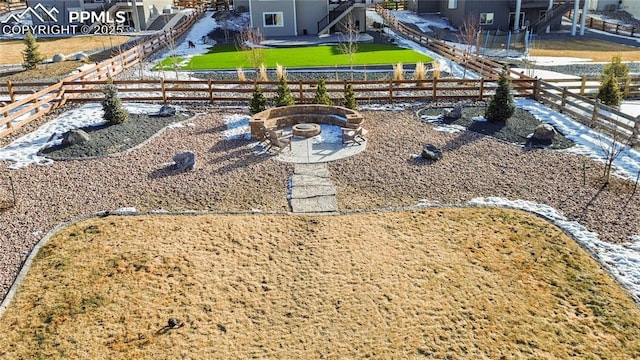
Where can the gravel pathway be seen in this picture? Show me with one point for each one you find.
(229, 176)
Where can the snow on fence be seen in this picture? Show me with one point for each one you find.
(22, 111)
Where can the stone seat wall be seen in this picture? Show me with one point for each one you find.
(287, 116)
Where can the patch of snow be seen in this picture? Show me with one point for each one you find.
(557, 61)
(433, 119)
(329, 134)
(547, 74)
(125, 211)
(622, 261)
(450, 128)
(384, 107)
(24, 150)
(426, 23)
(588, 141)
(237, 127)
(630, 107)
(446, 65)
(159, 211)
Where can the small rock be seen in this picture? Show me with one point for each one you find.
(75, 136)
(173, 322)
(166, 111)
(58, 58)
(544, 132)
(430, 152)
(454, 114)
(185, 161)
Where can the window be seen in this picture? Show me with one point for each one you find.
(512, 20)
(486, 18)
(273, 19)
(453, 4)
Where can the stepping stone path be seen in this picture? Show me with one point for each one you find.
(312, 190)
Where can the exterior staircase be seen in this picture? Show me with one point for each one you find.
(334, 16)
(556, 12)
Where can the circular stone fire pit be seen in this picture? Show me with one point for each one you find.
(305, 130)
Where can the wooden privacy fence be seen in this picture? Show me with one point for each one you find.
(607, 26)
(24, 109)
(589, 112)
(166, 91)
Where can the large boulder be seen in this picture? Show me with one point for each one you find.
(185, 161)
(544, 132)
(166, 111)
(58, 58)
(453, 114)
(75, 136)
(431, 152)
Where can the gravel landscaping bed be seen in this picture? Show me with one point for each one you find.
(516, 130)
(229, 176)
(106, 140)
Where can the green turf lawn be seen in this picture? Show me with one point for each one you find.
(228, 57)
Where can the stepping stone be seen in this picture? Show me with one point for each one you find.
(311, 189)
(315, 204)
(317, 169)
(308, 180)
(303, 192)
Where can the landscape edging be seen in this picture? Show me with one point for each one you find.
(34, 252)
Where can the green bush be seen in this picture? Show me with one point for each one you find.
(350, 98)
(618, 70)
(283, 95)
(258, 102)
(609, 92)
(321, 94)
(502, 106)
(31, 54)
(114, 113)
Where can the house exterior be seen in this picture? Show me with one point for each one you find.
(303, 17)
(499, 14)
(607, 5)
(422, 7)
(631, 6)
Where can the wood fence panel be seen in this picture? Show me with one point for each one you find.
(74, 82)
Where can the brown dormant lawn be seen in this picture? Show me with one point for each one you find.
(11, 50)
(596, 50)
(438, 283)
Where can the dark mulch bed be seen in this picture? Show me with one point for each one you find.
(516, 130)
(110, 139)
